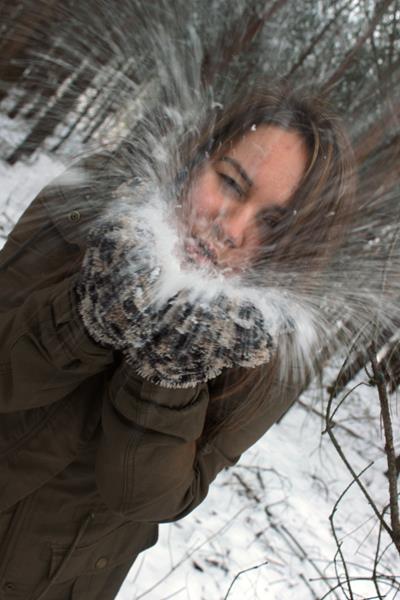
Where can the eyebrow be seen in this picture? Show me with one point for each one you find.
(282, 210)
(239, 169)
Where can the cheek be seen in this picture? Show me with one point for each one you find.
(254, 242)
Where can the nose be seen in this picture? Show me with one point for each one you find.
(232, 227)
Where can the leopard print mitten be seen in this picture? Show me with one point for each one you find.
(177, 342)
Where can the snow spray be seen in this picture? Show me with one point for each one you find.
(149, 81)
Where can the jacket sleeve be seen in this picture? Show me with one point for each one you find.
(148, 465)
(44, 351)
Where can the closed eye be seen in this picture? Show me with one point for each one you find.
(274, 216)
(231, 184)
(269, 220)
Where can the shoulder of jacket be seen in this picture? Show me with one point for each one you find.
(80, 194)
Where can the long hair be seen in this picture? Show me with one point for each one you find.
(303, 243)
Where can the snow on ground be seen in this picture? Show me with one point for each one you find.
(272, 510)
(19, 185)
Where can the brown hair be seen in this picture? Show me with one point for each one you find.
(322, 205)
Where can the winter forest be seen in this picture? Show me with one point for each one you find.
(311, 511)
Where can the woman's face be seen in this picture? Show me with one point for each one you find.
(237, 198)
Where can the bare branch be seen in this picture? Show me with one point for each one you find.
(351, 54)
(338, 543)
(329, 430)
(389, 447)
(314, 42)
(241, 573)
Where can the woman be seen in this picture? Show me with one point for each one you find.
(123, 391)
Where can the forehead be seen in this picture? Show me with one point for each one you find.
(274, 158)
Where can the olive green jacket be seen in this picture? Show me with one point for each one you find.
(92, 456)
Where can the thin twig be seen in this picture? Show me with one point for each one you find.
(191, 552)
(379, 380)
(338, 543)
(390, 581)
(329, 430)
(241, 573)
(376, 562)
(346, 395)
(336, 424)
(290, 539)
(308, 585)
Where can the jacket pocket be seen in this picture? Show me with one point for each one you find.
(104, 586)
(120, 546)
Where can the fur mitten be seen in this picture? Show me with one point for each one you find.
(175, 342)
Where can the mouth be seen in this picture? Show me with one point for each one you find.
(200, 252)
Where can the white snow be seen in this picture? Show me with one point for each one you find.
(273, 508)
(19, 184)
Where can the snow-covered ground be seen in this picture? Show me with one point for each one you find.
(20, 183)
(270, 513)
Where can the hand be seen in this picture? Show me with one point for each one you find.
(116, 284)
(184, 341)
